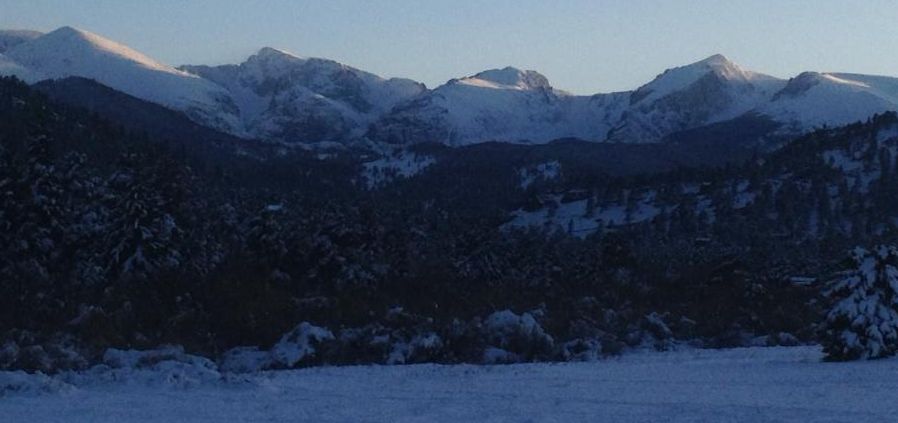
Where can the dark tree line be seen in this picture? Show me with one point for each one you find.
(109, 238)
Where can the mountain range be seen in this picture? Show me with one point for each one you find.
(145, 204)
(278, 96)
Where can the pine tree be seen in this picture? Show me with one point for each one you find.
(144, 234)
(265, 243)
(863, 321)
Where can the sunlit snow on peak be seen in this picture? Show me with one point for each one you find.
(508, 78)
(71, 38)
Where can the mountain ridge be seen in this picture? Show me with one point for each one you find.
(280, 96)
(68, 51)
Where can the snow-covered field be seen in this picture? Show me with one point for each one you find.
(740, 385)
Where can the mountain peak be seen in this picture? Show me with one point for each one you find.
(69, 51)
(716, 60)
(726, 69)
(68, 41)
(508, 78)
(273, 60)
(721, 66)
(882, 86)
(679, 78)
(69, 31)
(271, 52)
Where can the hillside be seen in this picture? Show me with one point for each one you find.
(490, 253)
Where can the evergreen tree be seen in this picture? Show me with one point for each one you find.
(863, 320)
(144, 234)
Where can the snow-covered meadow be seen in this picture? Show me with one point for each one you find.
(741, 385)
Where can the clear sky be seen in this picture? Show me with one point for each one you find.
(584, 46)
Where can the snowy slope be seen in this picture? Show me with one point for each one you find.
(678, 79)
(11, 37)
(289, 98)
(501, 104)
(9, 67)
(397, 164)
(521, 106)
(702, 93)
(814, 99)
(740, 385)
(72, 52)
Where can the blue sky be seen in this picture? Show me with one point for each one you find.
(584, 46)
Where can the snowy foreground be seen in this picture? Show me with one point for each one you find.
(740, 385)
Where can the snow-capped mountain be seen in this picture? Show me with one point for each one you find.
(501, 104)
(69, 52)
(289, 98)
(815, 99)
(706, 92)
(520, 106)
(279, 96)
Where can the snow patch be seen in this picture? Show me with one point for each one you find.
(542, 172)
(402, 164)
(167, 366)
(576, 219)
(299, 344)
